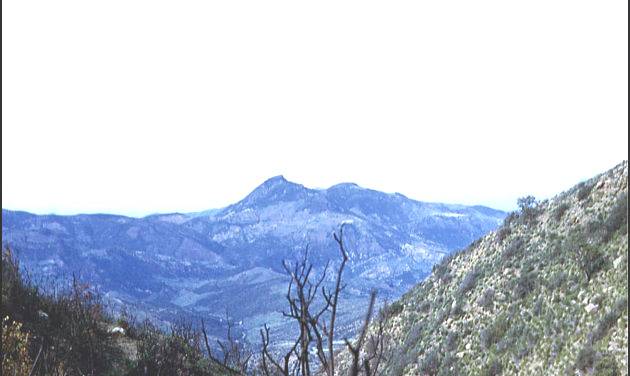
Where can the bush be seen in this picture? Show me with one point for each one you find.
(617, 217)
(503, 233)
(557, 280)
(395, 308)
(584, 190)
(588, 256)
(487, 298)
(15, 345)
(425, 306)
(513, 249)
(469, 281)
(431, 363)
(604, 325)
(494, 332)
(585, 358)
(492, 368)
(606, 366)
(525, 284)
(451, 341)
(450, 366)
(529, 209)
(559, 212)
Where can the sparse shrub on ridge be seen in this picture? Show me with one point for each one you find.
(492, 368)
(487, 298)
(468, 282)
(529, 209)
(617, 217)
(605, 323)
(495, 331)
(15, 345)
(584, 190)
(559, 212)
(606, 365)
(431, 363)
(585, 357)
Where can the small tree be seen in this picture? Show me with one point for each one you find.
(529, 208)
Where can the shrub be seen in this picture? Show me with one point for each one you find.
(495, 331)
(450, 366)
(617, 217)
(451, 341)
(503, 233)
(431, 363)
(585, 358)
(469, 281)
(529, 209)
(559, 212)
(425, 306)
(15, 345)
(604, 325)
(557, 280)
(584, 190)
(606, 366)
(588, 256)
(525, 284)
(621, 305)
(395, 308)
(487, 298)
(492, 368)
(514, 248)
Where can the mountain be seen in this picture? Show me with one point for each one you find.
(203, 264)
(546, 293)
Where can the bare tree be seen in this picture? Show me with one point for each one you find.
(316, 320)
(235, 355)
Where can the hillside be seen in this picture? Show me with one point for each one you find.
(546, 293)
(200, 264)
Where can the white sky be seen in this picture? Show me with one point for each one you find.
(136, 107)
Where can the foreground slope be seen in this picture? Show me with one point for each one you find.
(544, 294)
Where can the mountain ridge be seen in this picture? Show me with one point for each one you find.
(163, 265)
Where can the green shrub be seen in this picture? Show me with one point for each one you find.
(492, 368)
(585, 358)
(525, 284)
(606, 366)
(559, 212)
(529, 208)
(495, 331)
(617, 217)
(588, 256)
(607, 321)
(487, 298)
(395, 308)
(584, 190)
(503, 233)
(513, 249)
(431, 363)
(468, 282)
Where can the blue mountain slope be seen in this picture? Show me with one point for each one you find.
(197, 264)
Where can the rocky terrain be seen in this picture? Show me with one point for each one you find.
(545, 294)
(229, 260)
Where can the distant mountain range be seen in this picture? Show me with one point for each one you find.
(202, 264)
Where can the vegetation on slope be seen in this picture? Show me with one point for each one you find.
(70, 333)
(544, 294)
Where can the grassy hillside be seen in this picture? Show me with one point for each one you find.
(544, 294)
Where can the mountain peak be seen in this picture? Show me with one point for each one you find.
(274, 189)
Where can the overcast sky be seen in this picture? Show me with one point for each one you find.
(137, 107)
